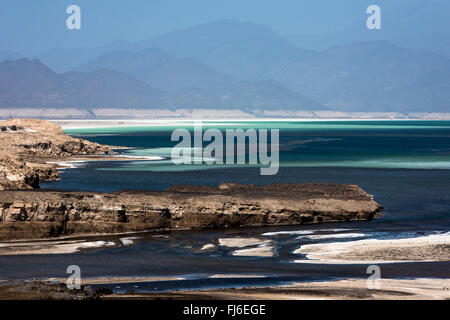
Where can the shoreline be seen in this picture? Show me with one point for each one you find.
(74, 124)
(339, 289)
(428, 248)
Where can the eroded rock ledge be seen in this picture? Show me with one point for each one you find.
(26, 147)
(40, 213)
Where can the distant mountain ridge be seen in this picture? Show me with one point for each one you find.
(356, 77)
(244, 50)
(160, 69)
(431, 89)
(30, 84)
(190, 83)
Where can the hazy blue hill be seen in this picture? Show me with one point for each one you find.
(249, 96)
(63, 60)
(161, 70)
(29, 83)
(355, 76)
(351, 77)
(192, 84)
(193, 98)
(244, 50)
(9, 55)
(268, 95)
(429, 93)
(108, 88)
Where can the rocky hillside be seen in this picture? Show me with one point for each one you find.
(27, 145)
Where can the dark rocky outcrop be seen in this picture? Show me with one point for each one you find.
(40, 214)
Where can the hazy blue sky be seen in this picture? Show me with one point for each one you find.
(32, 26)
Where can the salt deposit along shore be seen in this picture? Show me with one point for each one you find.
(72, 124)
(435, 247)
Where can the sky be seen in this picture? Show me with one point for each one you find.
(34, 26)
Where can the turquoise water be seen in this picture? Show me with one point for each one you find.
(283, 125)
(363, 144)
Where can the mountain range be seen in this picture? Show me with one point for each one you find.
(356, 77)
(30, 84)
(230, 64)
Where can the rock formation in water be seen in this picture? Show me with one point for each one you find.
(40, 213)
(26, 147)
